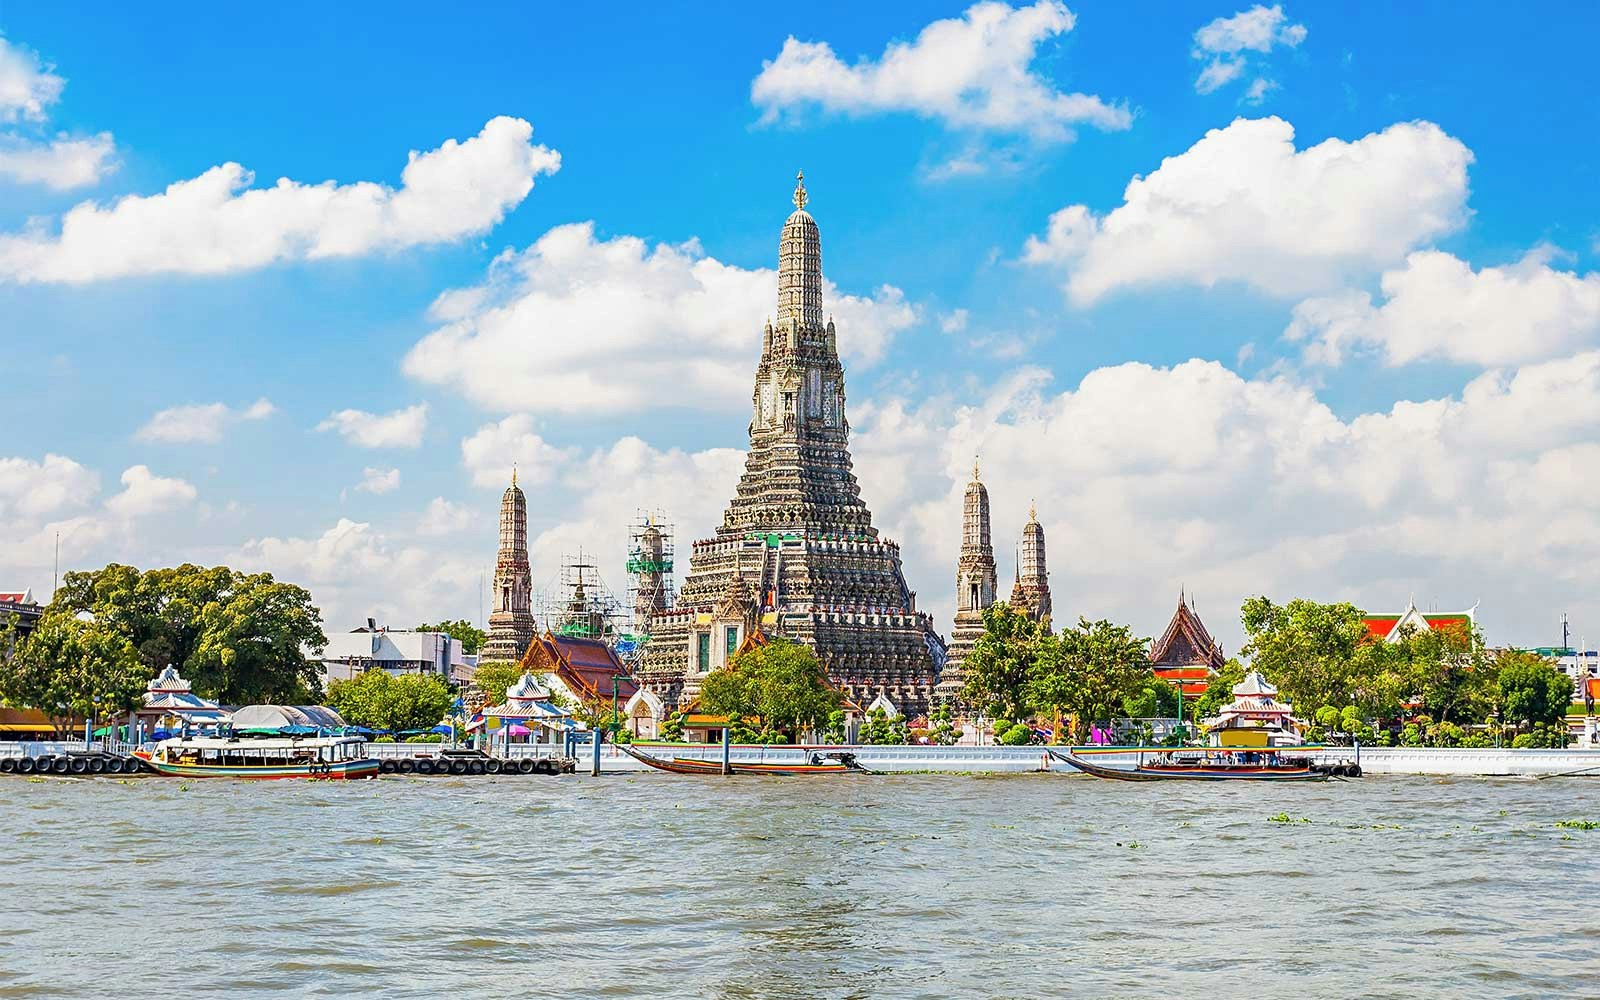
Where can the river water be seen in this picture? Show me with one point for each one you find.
(651, 885)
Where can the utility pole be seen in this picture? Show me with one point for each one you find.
(55, 579)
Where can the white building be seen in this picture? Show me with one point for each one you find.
(397, 651)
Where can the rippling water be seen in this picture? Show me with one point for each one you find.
(652, 885)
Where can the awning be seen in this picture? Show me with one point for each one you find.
(26, 727)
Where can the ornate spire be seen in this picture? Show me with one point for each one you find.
(975, 468)
(800, 196)
(513, 473)
(800, 268)
(1033, 513)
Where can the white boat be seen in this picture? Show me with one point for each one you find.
(262, 757)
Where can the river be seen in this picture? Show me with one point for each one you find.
(650, 885)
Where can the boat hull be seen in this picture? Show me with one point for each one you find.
(341, 770)
(689, 765)
(1202, 772)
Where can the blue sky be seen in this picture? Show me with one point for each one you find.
(1363, 370)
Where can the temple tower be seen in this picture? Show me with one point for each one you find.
(1031, 593)
(511, 625)
(797, 554)
(976, 583)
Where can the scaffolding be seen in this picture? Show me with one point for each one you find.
(650, 588)
(580, 604)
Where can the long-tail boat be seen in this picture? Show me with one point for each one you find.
(1208, 764)
(816, 763)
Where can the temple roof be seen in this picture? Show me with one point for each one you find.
(588, 667)
(1386, 627)
(1186, 642)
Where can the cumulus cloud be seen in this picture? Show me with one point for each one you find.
(200, 422)
(378, 481)
(971, 72)
(217, 223)
(1193, 475)
(580, 324)
(1243, 205)
(62, 163)
(57, 483)
(1437, 307)
(146, 493)
(1230, 45)
(492, 451)
(443, 517)
(400, 429)
(27, 86)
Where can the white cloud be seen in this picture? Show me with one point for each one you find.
(1243, 205)
(400, 429)
(27, 86)
(1193, 475)
(30, 489)
(490, 454)
(1226, 44)
(217, 223)
(146, 493)
(200, 422)
(62, 163)
(579, 324)
(378, 481)
(1437, 307)
(968, 72)
(352, 571)
(444, 517)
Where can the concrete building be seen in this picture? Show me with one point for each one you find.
(398, 651)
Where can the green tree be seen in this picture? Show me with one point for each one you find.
(882, 730)
(1219, 691)
(238, 637)
(1086, 672)
(1447, 671)
(1156, 699)
(1531, 690)
(378, 701)
(495, 677)
(1307, 649)
(998, 667)
(69, 667)
(780, 683)
(471, 637)
(943, 731)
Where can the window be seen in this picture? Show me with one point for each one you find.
(732, 640)
(703, 653)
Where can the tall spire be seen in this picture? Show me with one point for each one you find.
(800, 267)
(511, 621)
(1032, 590)
(513, 473)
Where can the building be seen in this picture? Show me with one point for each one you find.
(1031, 592)
(580, 670)
(976, 585)
(21, 606)
(525, 715)
(797, 554)
(170, 705)
(1255, 717)
(1186, 656)
(399, 652)
(511, 624)
(1389, 627)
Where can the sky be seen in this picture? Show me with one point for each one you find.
(1299, 300)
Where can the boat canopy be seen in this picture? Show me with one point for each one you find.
(286, 717)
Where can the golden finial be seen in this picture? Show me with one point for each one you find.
(513, 473)
(800, 191)
(1032, 514)
(974, 466)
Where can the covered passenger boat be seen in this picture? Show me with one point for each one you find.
(268, 741)
(815, 763)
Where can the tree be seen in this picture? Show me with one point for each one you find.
(997, 668)
(70, 667)
(943, 732)
(1219, 691)
(1532, 690)
(1445, 670)
(1156, 699)
(471, 637)
(1085, 672)
(238, 637)
(780, 683)
(494, 678)
(881, 730)
(1307, 649)
(377, 700)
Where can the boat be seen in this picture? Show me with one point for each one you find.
(283, 756)
(1203, 764)
(816, 763)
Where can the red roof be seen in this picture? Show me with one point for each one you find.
(587, 666)
(1380, 626)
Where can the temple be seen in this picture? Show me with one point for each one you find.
(511, 624)
(1031, 592)
(1390, 627)
(1186, 655)
(975, 584)
(797, 554)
